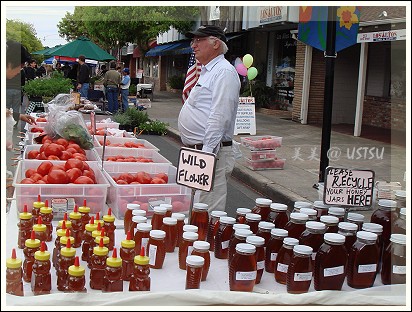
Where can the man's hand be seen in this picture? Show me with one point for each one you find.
(27, 118)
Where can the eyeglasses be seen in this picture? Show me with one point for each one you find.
(197, 40)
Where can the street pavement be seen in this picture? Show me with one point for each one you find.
(301, 147)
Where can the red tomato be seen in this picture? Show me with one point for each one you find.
(162, 176)
(36, 177)
(86, 166)
(46, 138)
(27, 181)
(157, 181)
(33, 154)
(41, 156)
(62, 141)
(120, 181)
(41, 119)
(79, 156)
(58, 176)
(66, 155)
(53, 157)
(143, 177)
(83, 180)
(129, 178)
(73, 174)
(74, 163)
(53, 149)
(30, 172)
(90, 174)
(71, 150)
(44, 167)
(40, 182)
(75, 146)
(44, 145)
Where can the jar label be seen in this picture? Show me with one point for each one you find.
(314, 255)
(303, 276)
(246, 276)
(333, 271)
(273, 256)
(225, 244)
(282, 267)
(260, 265)
(367, 268)
(399, 269)
(152, 254)
(145, 240)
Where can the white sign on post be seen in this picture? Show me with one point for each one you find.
(196, 169)
(347, 187)
(245, 116)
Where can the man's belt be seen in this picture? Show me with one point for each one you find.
(200, 146)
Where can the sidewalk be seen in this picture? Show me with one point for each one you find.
(301, 147)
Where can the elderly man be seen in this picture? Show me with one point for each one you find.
(207, 118)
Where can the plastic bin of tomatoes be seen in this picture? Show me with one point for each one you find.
(259, 155)
(144, 183)
(124, 154)
(275, 163)
(33, 152)
(62, 180)
(123, 142)
(261, 142)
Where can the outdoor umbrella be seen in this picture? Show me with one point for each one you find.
(82, 46)
(46, 51)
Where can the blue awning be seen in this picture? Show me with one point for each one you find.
(182, 47)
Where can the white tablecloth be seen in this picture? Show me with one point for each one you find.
(168, 286)
(143, 86)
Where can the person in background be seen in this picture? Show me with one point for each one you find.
(111, 83)
(31, 70)
(83, 77)
(72, 75)
(16, 56)
(124, 88)
(65, 69)
(41, 71)
(207, 119)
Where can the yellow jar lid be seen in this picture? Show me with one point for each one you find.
(90, 227)
(63, 240)
(38, 204)
(25, 215)
(100, 251)
(142, 260)
(60, 232)
(13, 263)
(96, 233)
(75, 215)
(99, 221)
(46, 210)
(32, 243)
(128, 243)
(39, 227)
(68, 224)
(76, 270)
(84, 209)
(114, 262)
(106, 239)
(108, 218)
(42, 255)
(68, 252)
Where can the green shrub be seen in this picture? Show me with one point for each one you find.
(132, 89)
(47, 87)
(176, 82)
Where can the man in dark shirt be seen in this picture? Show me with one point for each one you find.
(31, 70)
(83, 77)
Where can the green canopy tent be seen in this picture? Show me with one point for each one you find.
(46, 51)
(82, 46)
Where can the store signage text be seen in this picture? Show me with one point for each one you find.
(387, 35)
(272, 14)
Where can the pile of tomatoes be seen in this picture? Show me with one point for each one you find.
(141, 177)
(57, 149)
(268, 142)
(129, 144)
(72, 171)
(121, 158)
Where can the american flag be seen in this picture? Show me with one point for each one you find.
(193, 72)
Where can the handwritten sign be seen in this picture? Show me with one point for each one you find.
(196, 169)
(245, 116)
(347, 187)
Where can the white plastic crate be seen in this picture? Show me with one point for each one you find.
(122, 141)
(90, 154)
(114, 125)
(147, 195)
(131, 152)
(95, 194)
(261, 142)
(265, 164)
(259, 155)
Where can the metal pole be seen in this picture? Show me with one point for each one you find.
(330, 55)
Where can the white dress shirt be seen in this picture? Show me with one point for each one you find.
(208, 115)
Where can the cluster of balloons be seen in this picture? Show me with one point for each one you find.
(243, 67)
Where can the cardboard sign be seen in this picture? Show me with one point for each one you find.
(196, 169)
(245, 116)
(347, 187)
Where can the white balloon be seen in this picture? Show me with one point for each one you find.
(238, 61)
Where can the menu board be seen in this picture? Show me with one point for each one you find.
(348, 187)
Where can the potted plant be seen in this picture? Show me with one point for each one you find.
(45, 89)
(175, 83)
(156, 127)
(124, 120)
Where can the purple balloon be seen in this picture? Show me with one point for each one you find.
(241, 69)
